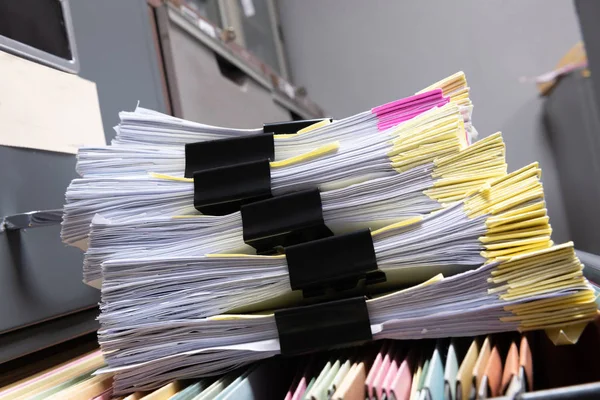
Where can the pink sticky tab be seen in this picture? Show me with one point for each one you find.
(395, 119)
(384, 108)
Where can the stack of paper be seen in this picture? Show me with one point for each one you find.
(541, 289)
(435, 134)
(148, 141)
(371, 204)
(444, 216)
(505, 219)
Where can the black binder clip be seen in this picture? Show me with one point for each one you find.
(282, 221)
(223, 190)
(223, 152)
(323, 326)
(280, 128)
(337, 262)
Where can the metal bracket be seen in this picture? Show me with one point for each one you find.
(32, 219)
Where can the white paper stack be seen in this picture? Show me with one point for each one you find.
(148, 141)
(541, 289)
(442, 210)
(505, 219)
(371, 204)
(432, 135)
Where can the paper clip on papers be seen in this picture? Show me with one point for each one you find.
(229, 151)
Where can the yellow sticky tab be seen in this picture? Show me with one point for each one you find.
(171, 178)
(309, 128)
(215, 255)
(316, 125)
(398, 225)
(316, 153)
(236, 317)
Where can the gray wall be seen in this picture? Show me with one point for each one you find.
(354, 54)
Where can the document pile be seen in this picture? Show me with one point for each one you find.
(324, 161)
(217, 247)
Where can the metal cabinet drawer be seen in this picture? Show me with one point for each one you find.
(206, 88)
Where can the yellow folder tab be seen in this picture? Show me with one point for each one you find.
(86, 390)
(165, 392)
(568, 335)
(54, 376)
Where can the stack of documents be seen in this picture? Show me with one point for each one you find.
(505, 219)
(371, 204)
(148, 141)
(435, 134)
(426, 221)
(538, 290)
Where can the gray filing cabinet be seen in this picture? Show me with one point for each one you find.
(571, 116)
(125, 47)
(44, 301)
(209, 81)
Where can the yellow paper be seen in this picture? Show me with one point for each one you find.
(165, 392)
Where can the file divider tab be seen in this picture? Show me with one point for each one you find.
(222, 152)
(273, 224)
(280, 128)
(323, 326)
(337, 262)
(223, 190)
